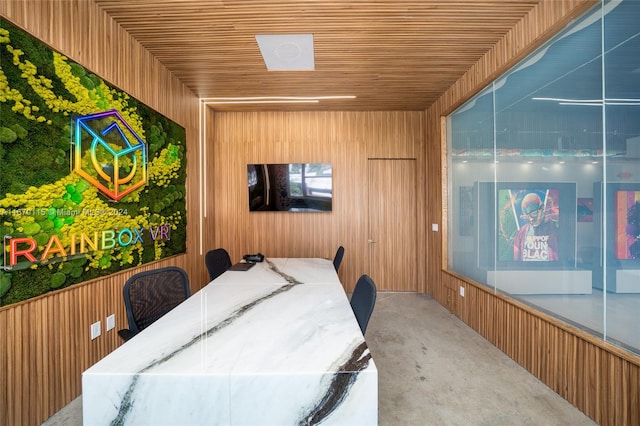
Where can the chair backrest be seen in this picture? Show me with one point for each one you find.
(363, 300)
(217, 261)
(337, 260)
(148, 295)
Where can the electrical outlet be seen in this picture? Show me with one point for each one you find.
(434, 227)
(462, 291)
(95, 330)
(111, 322)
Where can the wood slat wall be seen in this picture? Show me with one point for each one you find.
(45, 342)
(600, 379)
(345, 139)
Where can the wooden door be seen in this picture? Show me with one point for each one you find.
(392, 224)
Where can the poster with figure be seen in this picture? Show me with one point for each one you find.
(528, 225)
(627, 224)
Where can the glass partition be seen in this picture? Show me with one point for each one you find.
(544, 177)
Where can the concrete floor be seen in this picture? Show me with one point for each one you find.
(434, 370)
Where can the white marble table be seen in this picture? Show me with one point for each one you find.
(275, 345)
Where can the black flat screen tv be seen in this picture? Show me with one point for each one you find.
(290, 187)
(526, 225)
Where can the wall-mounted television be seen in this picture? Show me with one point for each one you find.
(526, 225)
(290, 187)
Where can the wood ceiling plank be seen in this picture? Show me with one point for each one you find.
(391, 54)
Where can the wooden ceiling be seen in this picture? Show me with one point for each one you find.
(392, 55)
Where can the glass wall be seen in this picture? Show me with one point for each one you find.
(544, 177)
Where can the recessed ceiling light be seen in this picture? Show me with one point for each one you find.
(273, 99)
(267, 101)
(287, 52)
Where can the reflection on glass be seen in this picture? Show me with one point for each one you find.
(555, 143)
(310, 180)
(294, 187)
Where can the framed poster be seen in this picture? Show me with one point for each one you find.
(626, 231)
(527, 225)
(617, 213)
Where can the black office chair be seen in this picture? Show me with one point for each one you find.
(217, 261)
(148, 295)
(363, 300)
(337, 260)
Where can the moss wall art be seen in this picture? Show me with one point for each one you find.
(92, 181)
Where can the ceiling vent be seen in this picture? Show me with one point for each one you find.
(287, 52)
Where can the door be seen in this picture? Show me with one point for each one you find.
(392, 224)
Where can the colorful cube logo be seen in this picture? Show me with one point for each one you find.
(109, 154)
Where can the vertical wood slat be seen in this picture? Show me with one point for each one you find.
(45, 342)
(45, 19)
(345, 139)
(78, 30)
(599, 379)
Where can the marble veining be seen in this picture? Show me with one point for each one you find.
(265, 334)
(126, 403)
(291, 280)
(339, 387)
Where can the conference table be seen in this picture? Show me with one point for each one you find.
(277, 344)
